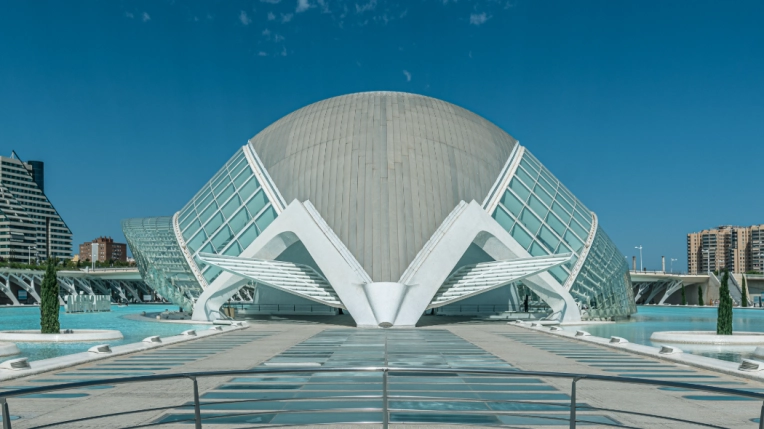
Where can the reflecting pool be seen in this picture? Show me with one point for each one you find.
(132, 330)
(652, 318)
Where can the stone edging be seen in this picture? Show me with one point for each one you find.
(60, 362)
(77, 335)
(8, 349)
(708, 338)
(702, 362)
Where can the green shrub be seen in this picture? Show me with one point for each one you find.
(724, 318)
(49, 306)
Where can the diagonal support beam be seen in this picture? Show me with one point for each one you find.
(474, 279)
(296, 279)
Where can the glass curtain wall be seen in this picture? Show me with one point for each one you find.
(543, 215)
(603, 284)
(227, 214)
(545, 218)
(160, 260)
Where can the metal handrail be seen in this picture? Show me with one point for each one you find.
(385, 370)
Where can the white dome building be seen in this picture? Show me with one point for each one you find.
(386, 205)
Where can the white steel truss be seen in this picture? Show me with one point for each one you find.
(297, 279)
(473, 279)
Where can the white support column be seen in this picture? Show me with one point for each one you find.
(132, 290)
(84, 285)
(27, 283)
(68, 284)
(5, 287)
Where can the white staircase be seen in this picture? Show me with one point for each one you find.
(297, 279)
(472, 279)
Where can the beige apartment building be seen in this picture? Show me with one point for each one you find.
(735, 248)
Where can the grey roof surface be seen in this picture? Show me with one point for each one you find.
(383, 168)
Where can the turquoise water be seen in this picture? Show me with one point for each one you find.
(651, 318)
(12, 318)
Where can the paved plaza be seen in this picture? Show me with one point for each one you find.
(450, 400)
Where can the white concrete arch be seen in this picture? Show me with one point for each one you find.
(468, 224)
(297, 223)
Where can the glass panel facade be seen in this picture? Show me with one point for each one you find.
(540, 213)
(603, 285)
(545, 218)
(233, 212)
(160, 259)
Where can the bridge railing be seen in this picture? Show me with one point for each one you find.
(112, 419)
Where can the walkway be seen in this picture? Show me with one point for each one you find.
(458, 400)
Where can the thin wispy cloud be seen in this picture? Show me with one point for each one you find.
(271, 16)
(361, 8)
(145, 17)
(266, 32)
(302, 6)
(479, 18)
(270, 1)
(262, 54)
(408, 75)
(129, 15)
(244, 18)
(286, 17)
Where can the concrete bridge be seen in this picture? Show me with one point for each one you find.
(122, 284)
(660, 287)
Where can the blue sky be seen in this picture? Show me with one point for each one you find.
(649, 111)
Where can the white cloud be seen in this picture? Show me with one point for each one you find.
(145, 17)
(286, 17)
(408, 75)
(244, 18)
(270, 1)
(278, 38)
(266, 32)
(262, 54)
(129, 15)
(271, 16)
(479, 18)
(284, 52)
(361, 8)
(302, 6)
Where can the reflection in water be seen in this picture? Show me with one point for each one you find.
(650, 319)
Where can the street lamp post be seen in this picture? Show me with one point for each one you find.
(672, 264)
(640, 257)
(30, 253)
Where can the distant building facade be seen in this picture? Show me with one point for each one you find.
(108, 250)
(30, 227)
(735, 248)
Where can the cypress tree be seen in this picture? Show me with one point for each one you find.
(684, 298)
(744, 300)
(49, 306)
(724, 318)
(700, 296)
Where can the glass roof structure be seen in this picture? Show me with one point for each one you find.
(379, 183)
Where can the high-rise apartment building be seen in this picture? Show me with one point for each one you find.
(735, 248)
(30, 227)
(108, 250)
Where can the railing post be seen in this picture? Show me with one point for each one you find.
(6, 413)
(573, 404)
(385, 412)
(197, 408)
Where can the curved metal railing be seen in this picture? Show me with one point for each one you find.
(198, 419)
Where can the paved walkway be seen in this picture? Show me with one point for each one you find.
(457, 400)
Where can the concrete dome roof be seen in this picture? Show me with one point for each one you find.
(384, 169)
